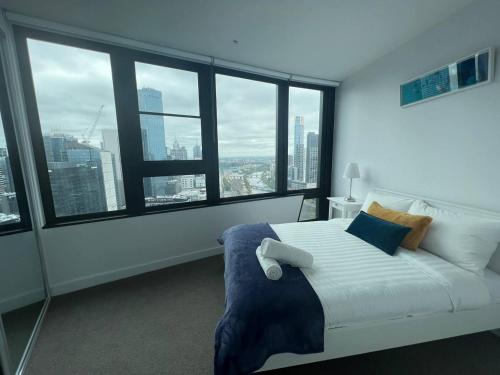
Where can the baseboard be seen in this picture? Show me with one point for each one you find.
(121, 273)
(21, 300)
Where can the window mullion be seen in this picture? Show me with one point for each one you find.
(209, 132)
(326, 149)
(282, 139)
(129, 129)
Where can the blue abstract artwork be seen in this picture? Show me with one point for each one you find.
(459, 75)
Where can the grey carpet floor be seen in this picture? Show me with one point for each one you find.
(163, 322)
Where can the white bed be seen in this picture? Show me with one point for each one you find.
(372, 301)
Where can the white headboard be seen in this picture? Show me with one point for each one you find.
(495, 260)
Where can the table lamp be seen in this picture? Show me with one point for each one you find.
(351, 171)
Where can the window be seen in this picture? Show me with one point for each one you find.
(246, 128)
(169, 113)
(9, 209)
(14, 214)
(160, 191)
(120, 132)
(76, 109)
(303, 138)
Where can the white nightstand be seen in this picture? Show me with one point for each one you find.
(348, 209)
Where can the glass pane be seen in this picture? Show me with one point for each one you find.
(167, 90)
(303, 138)
(74, 92)
(309, 210)
(170, 138)
(164, 190)
(246, 127)
(9, 211)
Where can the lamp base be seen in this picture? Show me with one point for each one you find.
(349, 199)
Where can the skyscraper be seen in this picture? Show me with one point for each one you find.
(76, 176)
(298, 152)
(150, 100)
(109, 180)
(111, 143)
(153, 127)
(177, 152)
(6, 179)
(197, 152)
(312, 158)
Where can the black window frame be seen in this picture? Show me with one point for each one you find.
(24, 223)
(325, 149)
(135, 168)
(279, 114)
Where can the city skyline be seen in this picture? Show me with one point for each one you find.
(71, 167)
(75, 97)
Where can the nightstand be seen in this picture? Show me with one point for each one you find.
(348, 209)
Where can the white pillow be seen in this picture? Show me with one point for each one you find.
(388, 201)
(466, 241)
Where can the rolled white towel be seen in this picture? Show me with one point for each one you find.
(270, 266)
(286, 253)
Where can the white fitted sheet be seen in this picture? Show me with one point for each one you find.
(358, 283)
(492, 281)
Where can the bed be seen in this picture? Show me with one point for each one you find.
(373, 302)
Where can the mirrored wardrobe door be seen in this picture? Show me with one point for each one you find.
(22, 287)
(4, 354)
(22, 292)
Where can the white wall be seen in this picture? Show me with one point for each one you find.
(21, 281)
(448, 148)
(84, 255)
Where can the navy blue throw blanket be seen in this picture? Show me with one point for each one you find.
(263, 317)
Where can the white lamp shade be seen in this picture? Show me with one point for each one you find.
(351, 171)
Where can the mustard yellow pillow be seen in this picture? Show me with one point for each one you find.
(419, 224)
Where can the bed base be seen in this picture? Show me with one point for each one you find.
(365, 338)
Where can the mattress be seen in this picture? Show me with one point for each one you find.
(357, 283)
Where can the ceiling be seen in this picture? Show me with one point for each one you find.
(328, 39)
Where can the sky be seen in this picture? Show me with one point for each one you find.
(71, 84)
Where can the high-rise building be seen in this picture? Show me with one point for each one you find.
(292, 173)
(187, 182)
(76, 176)
(177, 152)
(109, 180)
(297, 185)
(197, 152)
(111, 143)
(56, 145)
(77, 189)
(153, 128)
(6, 179)
(3, 152)
(199, 181)
(312, 158)
(298, 151)
(9, 211)
(150, 100)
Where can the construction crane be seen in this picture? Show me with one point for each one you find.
(90, 132)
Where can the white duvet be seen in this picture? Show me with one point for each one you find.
(358, 283)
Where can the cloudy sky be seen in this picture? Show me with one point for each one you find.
(71, 84)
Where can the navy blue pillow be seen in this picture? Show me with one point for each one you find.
(378, 232)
